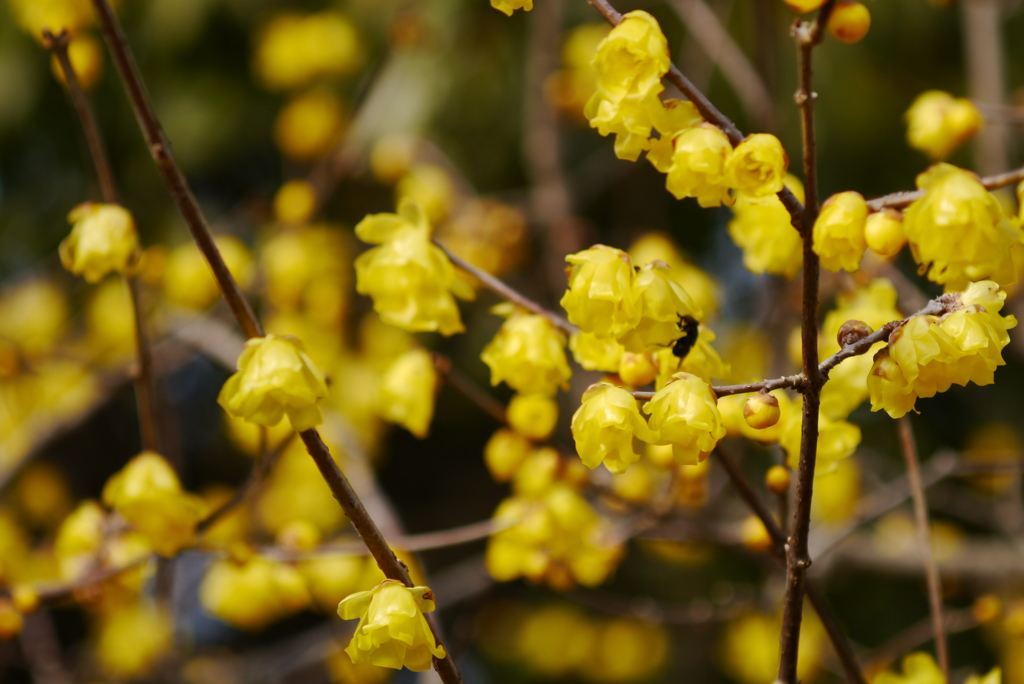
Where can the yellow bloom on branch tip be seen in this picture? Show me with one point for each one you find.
(407, 392)
(685, 414)
(605, 425)
(528, 353)
(275, 378)
(839, 232)
(410, 279)
(148, 494)
(601, 298)
(757, 167)
(392, 631)
(103, 239)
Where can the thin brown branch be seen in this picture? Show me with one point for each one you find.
(808, 35)
(843, 649)
(909, 448)
(469, 389)
(785, 382)
(708, 110)
(915, 636)
(507, 293)
(145, 392)
(901, 199)
(178, 186)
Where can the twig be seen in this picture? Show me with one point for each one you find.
(786, 382)
(468, 389)
(916, 635)
(842, 646)
(808, 35)
(506, 292)
(710, 113)
(176, 182)
(905, 197)
(41, 645)
(145, 394)
(705, 27)
(909, 447)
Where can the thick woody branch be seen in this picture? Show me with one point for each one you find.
(909, 448)
(189, 208)
(707, 110)
(901, 199)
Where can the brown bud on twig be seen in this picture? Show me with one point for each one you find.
(852, 332)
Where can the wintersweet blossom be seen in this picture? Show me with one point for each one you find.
(757, 167)
(605, 425)
(527, 353)
(661, 301)
(601, 298)
(275, 378)
(839, 232)
(410, 279)
(938, 123)
(102, 240)
(685, 414)
(392, 631)
(698, 166)
(407, 391)
(763, 229)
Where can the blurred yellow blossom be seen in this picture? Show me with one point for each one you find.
(407, 391)
(839, 231)
(295, 201)
(596, 353)
(86, 55)
(309, 125)
(504, 452)
(510, 6)
(33, 315)
(132, 638)
(429, 186)
(188, 280)
(527, 353)
(252, 593)
(763, 229)
(938, 123)
(294, 49)
(533, 415)
(918, 668)
(102, 240)
(749, 650)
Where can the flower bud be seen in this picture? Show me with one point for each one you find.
(533, 415)
(761, 410)
(849, 22)
(852, 332)
(504, 452)
(294, 202)
(637, 370)
(987, 609)
(884, 232)
(754, 535)
(839, 231)
(777, 479)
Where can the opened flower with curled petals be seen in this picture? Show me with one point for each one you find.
(839, 231)
(409, 278)
(528, 353)
(275, 378)
(601, 299)
(392, 631)
(605, 425)
(407, 391)
(757, 167)
(661, 301)
(698, 166)
(685, 414)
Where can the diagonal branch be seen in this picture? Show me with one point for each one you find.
(900, 199)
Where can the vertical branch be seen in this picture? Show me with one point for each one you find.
(808, 35)
(145, 394)
(190, 211)
(909, 447)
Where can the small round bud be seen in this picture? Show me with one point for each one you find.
(852, 332)
(25, 598)
(987, 609)
(754, 535)
(884, 232)
(504, 452)
(777, 479)
(637, 370)
(533, 415)
(10, 620)
(849, 22)
(761, 411)
(294, 202)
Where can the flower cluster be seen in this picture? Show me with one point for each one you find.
(928, 354)
(958, 231)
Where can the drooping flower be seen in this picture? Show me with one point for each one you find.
(103, 239)
(938, 123)
(250, 593)
(685, 414)
(702, 288)
(757, 167)
(596, 353)
(275, 378)
(605, 425)
(839, 232)
(148, 494)
(528, 353)
(763, 229)
(958, 231)
(407, 391)
(392, 631)
(698, 166)
(883, 231)
(601, 298)
(661, 302)
(410, 280)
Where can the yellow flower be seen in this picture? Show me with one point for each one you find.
(528, 353)
(537, 472)
(392, 631)
(188, 280)
(837, 494)
(407, 392)
(148, 494)
(510, 6)
(837, 439)
(849, 22)
(757, 167)
(701, 287)
(888, 387)
(605, 425)
(35, 15)
(294, 49)
(33, 315)
(630, 62)
(596, 353)
(78, 539)
(410, 280)
(627, 650)
(309, 125)
(294, 202)
(994, 676)
(958, 230)
(637, 370)
(698, 166)
(11, 620)
(308, 269)
(671, 118)
(102, 240)
(685, 415)
(763, 229)
(132, 638)
(252, 593)
(661, 302)
(275, 378)
(938, 123)
(504, 452)
(761, 411)
(430, 186)
(702, 361)
(601, 298)
(533, 415)
(918, 668)
(884, 234)
(839, 232)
